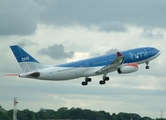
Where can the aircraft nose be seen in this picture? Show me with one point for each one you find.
(158, 52)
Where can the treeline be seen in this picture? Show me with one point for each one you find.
(65, 113)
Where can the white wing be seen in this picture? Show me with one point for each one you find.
(112, 66)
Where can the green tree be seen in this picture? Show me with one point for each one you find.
(10, 114)
(147, 118)
(21, 115)
(30, 114)
(62, 112)
(73, 113)
(3, 114)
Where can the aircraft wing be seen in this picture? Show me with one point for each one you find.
(113, 65)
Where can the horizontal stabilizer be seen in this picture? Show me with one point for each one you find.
(35, 74)
(30, 75)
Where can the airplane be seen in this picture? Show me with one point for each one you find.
(123, 62)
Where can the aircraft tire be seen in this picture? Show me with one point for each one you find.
(106, 78)
(101, 82)
(88, 80)
(84, 83)
(147, 67)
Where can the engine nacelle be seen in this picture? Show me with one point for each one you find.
(128, 68)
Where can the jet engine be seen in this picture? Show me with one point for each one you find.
(128, 68)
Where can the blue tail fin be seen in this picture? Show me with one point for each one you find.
(26, 61)
(21, 55)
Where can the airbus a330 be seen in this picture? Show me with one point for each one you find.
(123, 62)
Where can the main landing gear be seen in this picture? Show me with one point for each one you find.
(86, 81)
(101, 82)
(147, 67)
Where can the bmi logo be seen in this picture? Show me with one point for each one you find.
(139, 55)
(25, 58)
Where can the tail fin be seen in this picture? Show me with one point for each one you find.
(26, 61)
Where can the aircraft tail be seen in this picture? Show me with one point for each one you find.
(26, 61)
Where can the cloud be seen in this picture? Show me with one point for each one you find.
(18, 17)
(56, 52)
(112, 26)
(31, 92)
(21, 17)
(25, 42)
(111, 51)
(152, 35)
(95, 12)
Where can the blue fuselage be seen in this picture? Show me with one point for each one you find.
(133, 55)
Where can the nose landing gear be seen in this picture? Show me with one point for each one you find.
(147, 67)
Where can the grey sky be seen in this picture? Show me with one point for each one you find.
(111, 51)
(25, 42)
(56, 52)
(59, 31)
(112, 27)
(21, 17)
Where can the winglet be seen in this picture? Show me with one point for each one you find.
(119, 54)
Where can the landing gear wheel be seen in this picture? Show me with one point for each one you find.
(84, 83)
(102, 82)
(147, 67)
(88, 80)
(106, 78)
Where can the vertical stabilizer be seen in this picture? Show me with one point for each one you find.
(26, 61)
